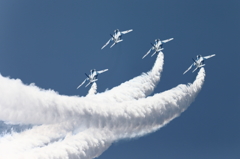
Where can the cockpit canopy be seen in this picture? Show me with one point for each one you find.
(93, 70)
(117, 30)
(198, 56)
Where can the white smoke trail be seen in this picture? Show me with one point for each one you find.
(31, 105)
(153, 79)
(9, 127)
(125, 120)
(138, 87)
(86, 144)
(135, 116)
(93, 89)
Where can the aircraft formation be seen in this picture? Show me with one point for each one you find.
(157, 48)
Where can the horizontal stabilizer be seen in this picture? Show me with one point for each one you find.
(94, 80)
(118, 41)
(201, 65)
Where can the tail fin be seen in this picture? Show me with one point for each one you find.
(194, 60)
(87, 75)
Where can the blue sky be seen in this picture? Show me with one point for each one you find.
(53, 43)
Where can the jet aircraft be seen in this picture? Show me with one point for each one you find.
(116, 37)
(199, 62)
(92, 77)
(157, 46)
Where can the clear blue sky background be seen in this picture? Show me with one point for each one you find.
(52, 43)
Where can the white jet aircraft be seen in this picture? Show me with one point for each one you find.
(116, 37)
(92, 77)
(157, 46)
(199, 62)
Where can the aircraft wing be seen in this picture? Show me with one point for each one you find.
(127, 31)
(106, 43)
(188, 69)
(167, 40)
(147, 53)
(207, 57)
(82, 83)
(102, 71)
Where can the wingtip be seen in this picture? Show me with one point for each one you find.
(144, 56)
